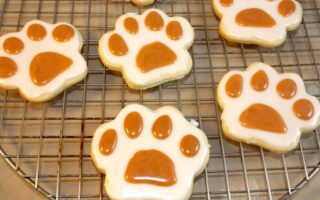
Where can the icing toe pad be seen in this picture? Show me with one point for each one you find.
(261, 22)
(149, 154)
(35, 60)
(148, 49)
(266, 108)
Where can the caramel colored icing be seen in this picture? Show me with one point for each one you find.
(63, 33)
(108, 142)
(286, 8)
(259, 81)
(226, 3)
(287, 88)
(303, 109)
(263, 117)
(154, 21)
(131, 25)
(117, 45)
(48, 65)
(133, 124)
(234, 86)
(153, 56)
(36, 32)
(189, 145)
(151, 167)
(13, 45)
(7, 67)
(255, 17)
(174, 30)
(162, 127)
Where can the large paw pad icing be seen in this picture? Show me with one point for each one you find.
(148, 49)
(265, 108)
(262, 22)
(41, 60)
(149, 154)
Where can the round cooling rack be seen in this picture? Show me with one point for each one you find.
(48, 144)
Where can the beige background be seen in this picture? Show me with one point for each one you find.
(13, 187)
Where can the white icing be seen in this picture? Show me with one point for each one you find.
(269, 37)
(142, 2)
(233, 107)
(22, 80)
(114, 165)
(127, 63)
(194, 123)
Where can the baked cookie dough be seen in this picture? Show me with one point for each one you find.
(149, 154)
(41, 60)
(142, 2)
(266, 108)
(148, 49)
(261, 22)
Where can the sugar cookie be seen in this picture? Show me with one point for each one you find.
(266, 108)
(143, 2)
(41, 60)
(261, 22)
(148, 49)
(149, 154)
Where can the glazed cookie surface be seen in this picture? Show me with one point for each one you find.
(142, 2)
(41, 60)
(149, 154)
(266, 108)
(148, 49)
(261, 22)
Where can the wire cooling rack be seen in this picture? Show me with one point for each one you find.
(49, 143)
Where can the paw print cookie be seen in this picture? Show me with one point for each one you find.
(41, 60)
(149, 154)
(266, 108)
(262, 22)
(143, 2)
(148, 49)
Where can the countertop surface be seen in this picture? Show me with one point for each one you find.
(10, 182)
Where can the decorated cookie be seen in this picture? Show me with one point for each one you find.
(148, 49)
(265, 108)
(142, 2)
(149, 154)
(41, 60)
(262, 22)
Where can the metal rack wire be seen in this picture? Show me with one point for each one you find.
(49, 144)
